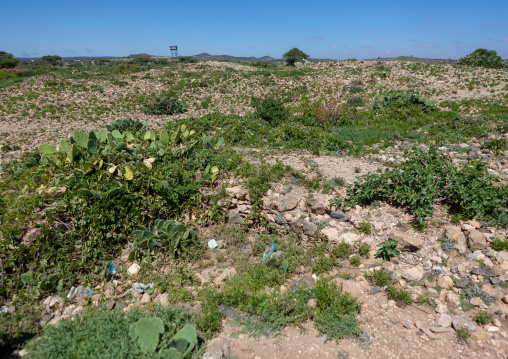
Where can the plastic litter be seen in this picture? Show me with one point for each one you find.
(212, 244)
(142, 287)
(272, 252)
(79, 292)
(112, 270)
(4, 309)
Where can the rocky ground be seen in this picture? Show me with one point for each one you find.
(395, 330)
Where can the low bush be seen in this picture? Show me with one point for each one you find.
(270, 110)
(397, 100)
(400, 295)
(165, 104)
(380, 278)
(483, 58)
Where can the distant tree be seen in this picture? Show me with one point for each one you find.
(54, 60)
(483, 58)
(4, 55)
(7, 61)
(294, 55)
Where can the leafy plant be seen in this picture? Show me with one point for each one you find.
(388, 249)
(402, 100)
(127, 125)
(176, 237)
(476, 291)
(165, 333)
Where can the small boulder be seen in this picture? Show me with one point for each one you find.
(444, 320)
(477, 239)
(339, 216)
(406, 241)
(331, 233)
(133, 269)
(280, 219)
(476, 301)
(318, 208)
(414, 273)
(445, 282)
(460, 322)
(235, 217)
(309, 228)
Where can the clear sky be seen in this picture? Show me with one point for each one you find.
(323, 29)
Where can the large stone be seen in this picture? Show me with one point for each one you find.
(477, 239)
(285, 204)
(331, 233)
(480, 334)
(133, 269)
(476, 301)
(406, 241)
(445, 282)
(318, 208)
(339, 216)
(453, 232)
(235, 217)
(309, 228)
(239, 192)
(414, 273)
(483, 271)
(460, 322)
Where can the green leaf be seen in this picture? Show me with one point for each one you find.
(116, 134)
(164, 137)
(47, 149)
(81, 138)
(146, 332)
(188, 333)
(128, 174)
(113, 192)
(121, 146)
(85, 192)
(93, 146)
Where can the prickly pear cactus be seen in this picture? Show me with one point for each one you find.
(185, 340)
(146, 332)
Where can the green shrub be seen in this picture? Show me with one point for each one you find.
(463, 334)
(398, 100)
(343, 250)
(365, 228)
(400, 295)
(380, 278)
(165, 104)
(163, 62)
(500, 244)
(141, 60)
(323, 265)
(271, 111)
(483, 58)
(355, 101)
(483, 318)
(364, 250)
(355, 261)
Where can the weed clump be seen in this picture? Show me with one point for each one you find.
(401, 295)
(398, 100)
(165, 104)
(380, 278)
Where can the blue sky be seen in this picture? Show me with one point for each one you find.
(323, 29)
